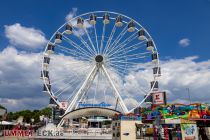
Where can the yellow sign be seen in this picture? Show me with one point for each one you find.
(187, 121)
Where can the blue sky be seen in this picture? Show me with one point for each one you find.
(180, 29)
(167, 21)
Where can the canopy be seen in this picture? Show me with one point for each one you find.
(6, 123)
(91, 111)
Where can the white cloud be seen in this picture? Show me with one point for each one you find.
(77, 31)
(19, 80)
(71, 14)
(130, 102)
(21, 36)
(21, 87)
(184, 42)
(24, 103)
(180, 74)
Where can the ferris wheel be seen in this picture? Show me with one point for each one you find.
(91, 58)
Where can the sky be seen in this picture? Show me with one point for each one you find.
(180, 29)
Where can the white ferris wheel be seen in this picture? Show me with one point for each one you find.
(91, 58)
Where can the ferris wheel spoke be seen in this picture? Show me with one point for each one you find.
(130, 56)
(75, 45)
(118, 65)
(88, 47)
(102, 39)
(70, 51)
(134, 47)
(58, 79)
(70, 68)
(74, 52)
(141, 90)
(66, 88)
(74, 68)
(122, 67)
(123, 44)
(61, 90)
(129, 39)
(75, 90)
(117, 71)
(126, 67)
(96, 37)
(138, 54)
(69, 84)
(134, 58)
(84, 43)
(71, 61)
(71, 95)
(90, 40)
(80, 70)
(124, 62)
(105, 89)
(119, 37)
(127, 49)
(109, 40)
(96, 89)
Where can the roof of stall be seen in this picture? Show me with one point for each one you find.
(91, 111)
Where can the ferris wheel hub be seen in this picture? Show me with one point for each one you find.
(99, 58)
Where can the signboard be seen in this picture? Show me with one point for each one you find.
(18, 133)
(102, 104)
(189, 132)
(187, 121)
(159, 98)
(172, 121)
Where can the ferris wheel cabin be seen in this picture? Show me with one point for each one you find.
(50, 49)
(58, 38)
(92, 19)
(106, 18)
(80, 22)
(141, 34)
(150, 45)
(68, 29)
(131, 26)
(119, 22)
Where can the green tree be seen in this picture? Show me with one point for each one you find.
(28, 115)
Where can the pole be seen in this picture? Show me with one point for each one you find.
(52, 115)
(188, 91)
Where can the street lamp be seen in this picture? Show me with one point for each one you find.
(188, 91)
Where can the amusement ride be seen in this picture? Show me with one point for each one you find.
(92, 59)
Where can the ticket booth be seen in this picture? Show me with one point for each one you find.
(127, 128)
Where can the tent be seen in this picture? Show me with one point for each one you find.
(6, 123)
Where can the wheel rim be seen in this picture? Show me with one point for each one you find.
(119, 50)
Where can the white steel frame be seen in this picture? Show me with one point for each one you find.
(96, 50)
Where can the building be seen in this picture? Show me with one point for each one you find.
(126, 127)
(3, 112)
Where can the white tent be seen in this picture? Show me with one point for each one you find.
(6, 123)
